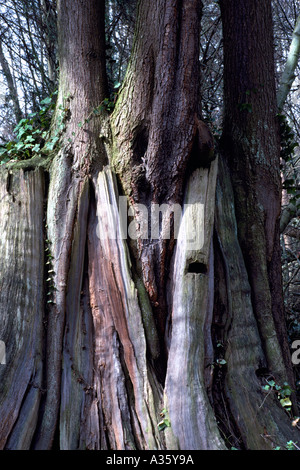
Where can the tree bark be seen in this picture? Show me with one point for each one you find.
(251, 146)
(10, 84)
(251, 142)
(152, 340)
(82, 87)
(288, 74)
(21, 305)
(49, 23)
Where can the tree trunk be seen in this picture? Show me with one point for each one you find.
(49, 37)
(288, 75)
(13, 92)
(251, 146)
(131, 336)
(21, 305)
(251, 143)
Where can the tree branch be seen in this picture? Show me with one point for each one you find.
(288, 74)
(10, 83)
(288, 213)
(293, 232)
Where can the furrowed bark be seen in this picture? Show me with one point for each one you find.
(157, 129)
(77, 356)
(21, 304)
(104, 398)
(260, 422)
(155, 340)
(156, 136)
(251, 144)
(82, 88)
(61, 215)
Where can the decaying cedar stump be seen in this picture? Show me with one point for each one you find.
(22, 303)
(191, 307)
(158, 135)
(129, 334)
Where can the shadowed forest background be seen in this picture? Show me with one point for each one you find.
(143, 343)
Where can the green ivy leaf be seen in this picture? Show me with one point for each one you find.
(29, 138)
(47, 100)
(19, 145)
(285, 402)
(36, 148)
(221, 362)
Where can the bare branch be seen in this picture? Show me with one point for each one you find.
(288, 75)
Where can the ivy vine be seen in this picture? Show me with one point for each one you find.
(31, 134)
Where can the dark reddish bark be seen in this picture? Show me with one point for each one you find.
(82, 88)
(251, 144)
(161, 122)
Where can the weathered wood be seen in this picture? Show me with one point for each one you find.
(82, 88)
(256, 414)
(193, 425)
(133, 327)
(21, 304)
(129, 397)
(63, 199)
(77, 352)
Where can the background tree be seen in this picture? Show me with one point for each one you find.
(286, 20)
(29, 65)
(120, 22)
